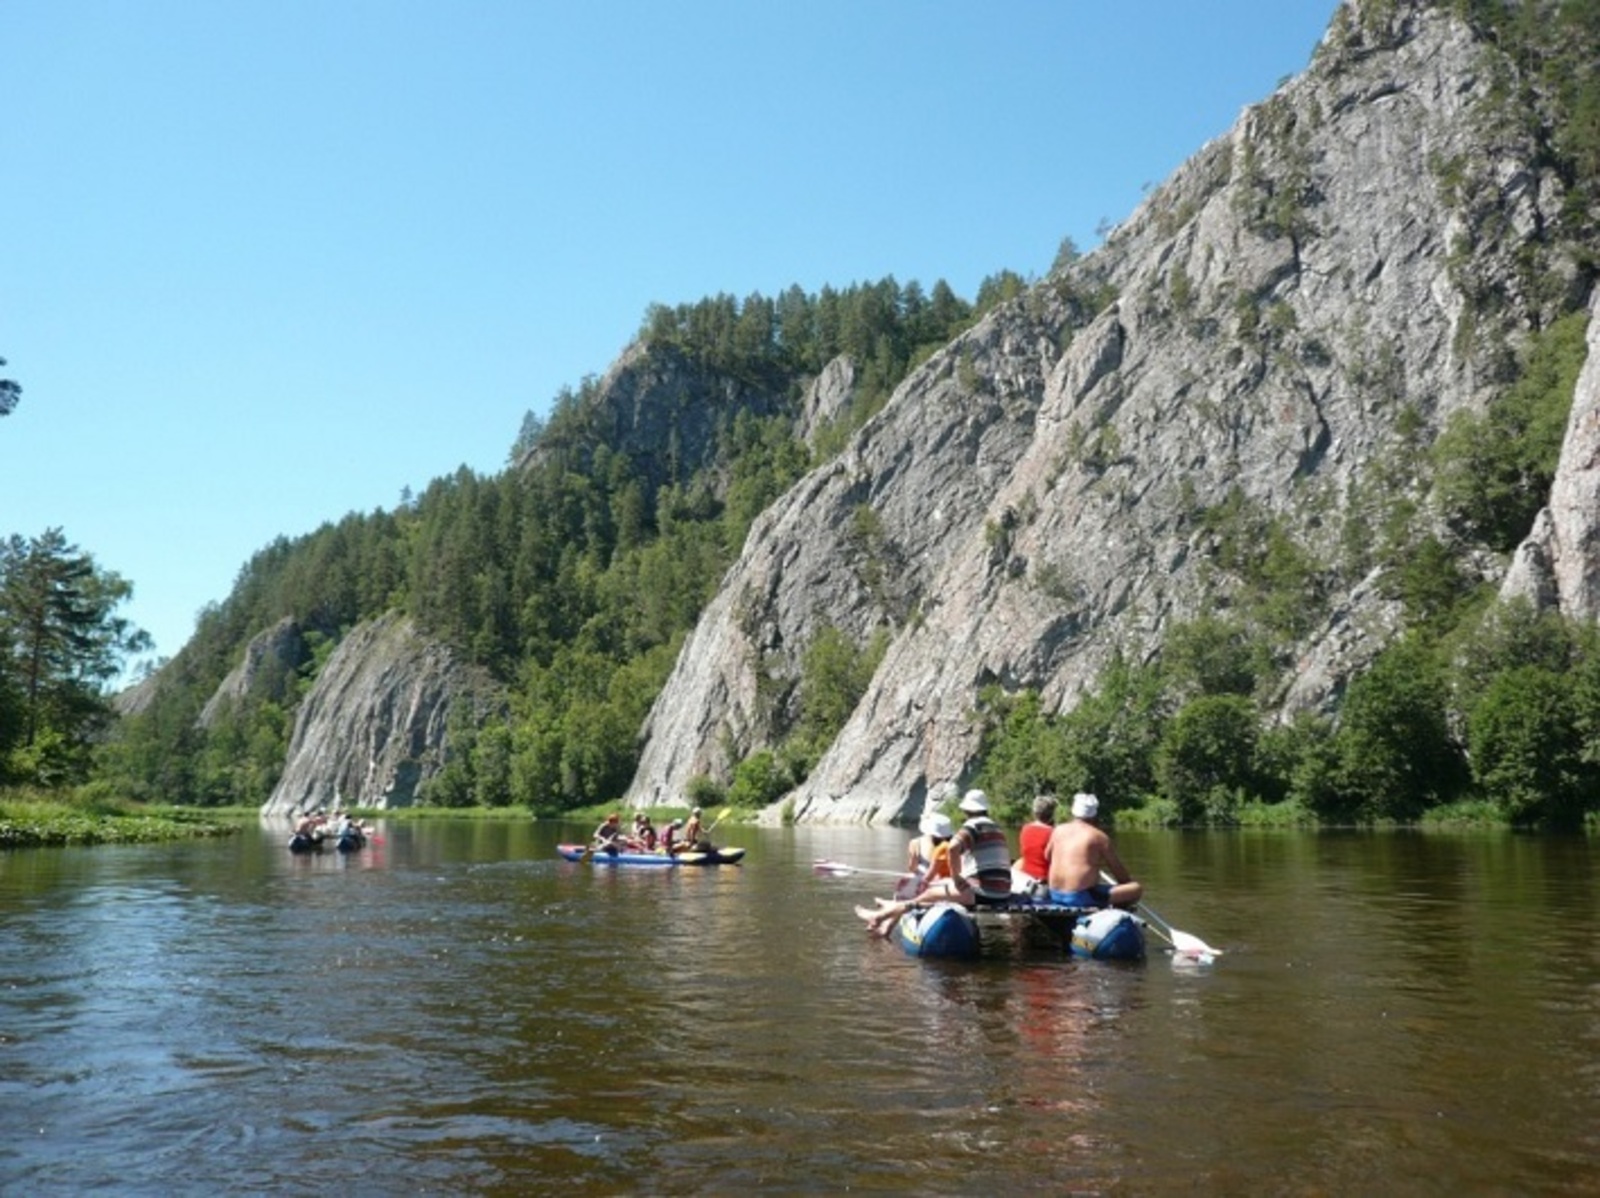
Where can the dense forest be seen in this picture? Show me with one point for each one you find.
(573, 575)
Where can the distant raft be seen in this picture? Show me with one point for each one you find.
(582, 852)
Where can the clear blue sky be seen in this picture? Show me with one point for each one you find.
(266, 263)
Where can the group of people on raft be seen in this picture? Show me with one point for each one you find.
(314, 827)
(677, 837)
(1073, 864)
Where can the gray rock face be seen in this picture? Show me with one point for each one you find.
(1293, 311)
(660, 409)
(826, 397)
(375, 725)
(1558, 566)
(269, 658)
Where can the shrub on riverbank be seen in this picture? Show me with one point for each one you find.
(32, 818)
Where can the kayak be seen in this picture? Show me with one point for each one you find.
(580, 852)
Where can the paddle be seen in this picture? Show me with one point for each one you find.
(840, 869)
(1185, 943)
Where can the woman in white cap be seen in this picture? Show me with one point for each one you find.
(927, 855)
(980, 869)
(1082, 857)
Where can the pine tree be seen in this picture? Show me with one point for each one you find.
(62, 642)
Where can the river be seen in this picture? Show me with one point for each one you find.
(456, 1011)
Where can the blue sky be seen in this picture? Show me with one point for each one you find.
(266, 263)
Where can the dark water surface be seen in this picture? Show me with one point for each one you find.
(455, 1011)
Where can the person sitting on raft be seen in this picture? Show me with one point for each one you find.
(1081, 855)
(608, 836)
(980, 868)
(669, 838)
(695, 836)
(1030, 873)
(927, 855)
(646, 833)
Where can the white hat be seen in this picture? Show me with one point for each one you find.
(975, 803)
(935, 824)
(1085, 806)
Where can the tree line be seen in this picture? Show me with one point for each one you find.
(572, 576)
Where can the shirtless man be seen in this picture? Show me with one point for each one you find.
(1079, 854)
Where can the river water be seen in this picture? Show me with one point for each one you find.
(456, 1011)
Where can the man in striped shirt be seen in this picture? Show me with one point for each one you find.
(980, 855)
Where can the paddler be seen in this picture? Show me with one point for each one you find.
(1079, 853)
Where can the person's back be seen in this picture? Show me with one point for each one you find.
(1084, 867)
(980, 852)
(1077, 853)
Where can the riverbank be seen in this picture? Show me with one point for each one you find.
(36, 818)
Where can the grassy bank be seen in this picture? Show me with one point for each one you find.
(35, 818)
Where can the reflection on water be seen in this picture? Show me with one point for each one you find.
(454, 1010)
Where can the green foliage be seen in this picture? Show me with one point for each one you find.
(758, 780)
(1105, 744)
(1494, 471)
(34, 817)
(1214, 655)
(61, 642)
(572, 577)
(1527, 748)
(1394, 749)
(835, 673)
(1206, 760)
(1284, 585)
(1430, 584)
(705, 792)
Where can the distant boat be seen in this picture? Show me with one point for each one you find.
(582, 852)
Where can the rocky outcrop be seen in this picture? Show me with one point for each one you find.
(1292, 311)
(375, 725)
(270, 661)
(662, 410)
(826, 397)
(1558, 566)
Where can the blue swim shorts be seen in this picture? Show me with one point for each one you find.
(1089, 896)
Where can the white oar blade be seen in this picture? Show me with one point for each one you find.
(1193, 945)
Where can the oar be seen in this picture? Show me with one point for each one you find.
(840, 869)
(1185, 943)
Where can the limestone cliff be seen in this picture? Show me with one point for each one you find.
(1297, 312)
(375, 725)
(1558, 566)
(270, 660)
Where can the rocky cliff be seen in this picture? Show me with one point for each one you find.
(375, 725)
(1296, 314)
(1558, 566)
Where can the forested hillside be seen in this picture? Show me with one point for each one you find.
(1245, 515)
(1234, 542)
(571, 576)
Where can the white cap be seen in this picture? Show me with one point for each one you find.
(935, 824)
(1085, 806)
(975, 802)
